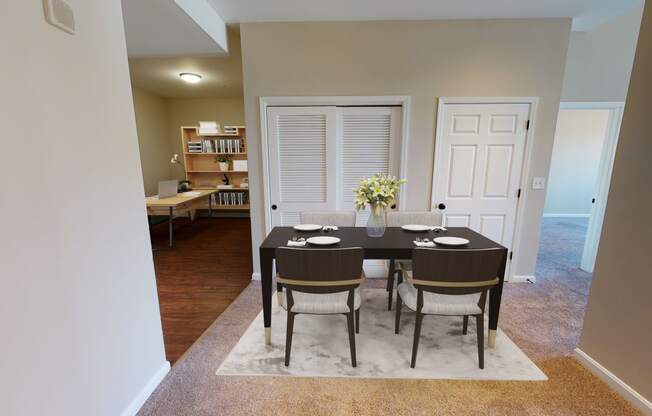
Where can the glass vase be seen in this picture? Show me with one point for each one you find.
(376, 222)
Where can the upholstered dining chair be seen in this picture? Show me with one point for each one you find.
(398, 219)
(338, 218)
(321, 282)
(449, 282)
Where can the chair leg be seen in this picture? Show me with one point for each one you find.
(479, 323)
(357, 321)
(465, 324)
(417, 335)
(399, 305)
(288, 337)
(349, 324)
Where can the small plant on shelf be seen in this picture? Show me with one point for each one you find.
(223, 161)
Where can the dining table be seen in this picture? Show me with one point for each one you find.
(395, 244)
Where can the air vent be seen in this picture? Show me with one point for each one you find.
(58, 13)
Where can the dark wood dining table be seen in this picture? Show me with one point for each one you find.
(395, 244)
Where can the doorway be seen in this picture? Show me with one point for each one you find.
(578, 184)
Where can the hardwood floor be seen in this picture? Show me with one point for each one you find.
(206, 270)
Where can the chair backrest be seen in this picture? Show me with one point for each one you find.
(400, 218)
(458, 271)
(338, 218)
(319, 270)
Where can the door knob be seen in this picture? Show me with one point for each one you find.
(274, 207)
(441, 206)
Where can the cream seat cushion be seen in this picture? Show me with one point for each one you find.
(438, 304)
(322, 303)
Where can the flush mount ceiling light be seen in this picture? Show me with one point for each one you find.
(190, 77)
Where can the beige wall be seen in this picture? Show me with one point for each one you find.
(422, 59)
(190, 111)
(600, 60)
(616, 329)
(81, 329)
(153, 141)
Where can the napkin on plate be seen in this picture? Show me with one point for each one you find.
(296, 243)
(330, 228)
(424, 244)
(437, 227)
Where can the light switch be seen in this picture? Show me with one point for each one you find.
(538, 182)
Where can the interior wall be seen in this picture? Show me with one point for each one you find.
(421, 59)
(618, 312)
(81, 329)
(152, 128)
(599, 61)
(190, 111)
(579, 138)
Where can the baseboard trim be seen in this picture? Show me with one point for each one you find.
(523, 279)
(255, 276)
(147, 390)
(622, 388)
(566, 215)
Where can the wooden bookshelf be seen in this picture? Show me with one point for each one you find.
(203, 171)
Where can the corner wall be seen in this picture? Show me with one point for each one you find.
(616, 329)
(81, 329)
(421, 59)
(151, 125)
(599, 61)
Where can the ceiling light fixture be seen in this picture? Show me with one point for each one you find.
(190, 77)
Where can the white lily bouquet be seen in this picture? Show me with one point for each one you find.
(379, 192)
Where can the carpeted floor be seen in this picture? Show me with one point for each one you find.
(544, 319)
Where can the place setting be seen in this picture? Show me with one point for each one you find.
(316, 240)
(448, 241)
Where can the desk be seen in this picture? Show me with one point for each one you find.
(395, 244)
(183, 200)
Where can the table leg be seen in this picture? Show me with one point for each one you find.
(170, 225)
(266, 264)
(210, 206)
(390, 283)
(495, 295)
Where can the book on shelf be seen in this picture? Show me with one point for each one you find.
(195, 147)
(231, 198)
(230, 130)
(208, 127)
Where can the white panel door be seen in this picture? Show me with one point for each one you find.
(302, 161)
(478, 167)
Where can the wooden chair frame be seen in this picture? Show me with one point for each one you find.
(321, 271)
(463, 272)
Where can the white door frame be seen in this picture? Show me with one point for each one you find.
(525, 168)
(403, 101)
(605, 168)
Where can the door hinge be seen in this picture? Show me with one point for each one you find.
(511, 254)
(527, 125)
(518, 193)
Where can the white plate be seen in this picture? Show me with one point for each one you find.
(416, 227)
(307, 227)
(323, 240)
(451, 241)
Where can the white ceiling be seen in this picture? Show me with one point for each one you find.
(586, 13)
(158, 28)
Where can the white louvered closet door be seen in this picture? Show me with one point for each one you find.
(368, 144)
(368, 138)
(302, 161)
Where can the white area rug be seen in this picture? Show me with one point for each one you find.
(320, 348)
